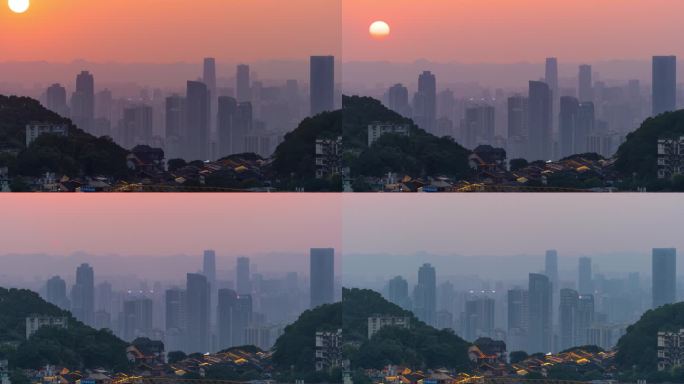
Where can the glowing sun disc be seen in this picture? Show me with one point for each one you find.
(379, 29)
(18, 6)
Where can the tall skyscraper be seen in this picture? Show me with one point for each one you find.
(664, 84)
(176, 319)
(584, 281)
(518, 312)
(584, 126)
(209, 271)
(399, 292)
(209, 74)
(399, 100)
(57, 293)
(539, 121)
(241, 319)
(322, 276)
(551, 267)
(83, 295)
(517, 116)
(664, 276)
(209, 78)
(242, 126)
(540, 322)
(567, 119)
(243, 86)
(479, 318)
(322, 84)
(197, 306)
(479, 126)
(242, 278)
(197, 125)
(585, 87)
(136, 126)
(551, 78)
(567, 314)
(83, 101)
(209, 266)
(227, 306)
(56, 99)
(227, 110)
(551, 74)
(176, 118)
(137, 318)
(425, 101)
(584, 319)
(425, 295)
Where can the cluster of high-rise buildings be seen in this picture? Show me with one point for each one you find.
(210, 120)
(552, 120)
(209, 313)
(549, 314)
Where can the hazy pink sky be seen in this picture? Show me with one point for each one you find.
(511, 224)
(169, 224)
(513, 30)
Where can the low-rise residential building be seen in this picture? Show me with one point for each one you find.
(328, 157)
(488, 158)
(376, 130)
(670, 349)
(328, 350)
(670, 157)
(36, 322)
(145, 351)
(34, 130)
(488, 350)
(377, 322)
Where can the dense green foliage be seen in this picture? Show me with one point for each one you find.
(517, 356)
(585, 348)
(173, 357)
(294, 349)
(421, 346)
(77, 347)
(79, 154)
(637, 349)
(294, 159)
(420, 154)
(637, 156)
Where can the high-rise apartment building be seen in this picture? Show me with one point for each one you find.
(322, 276)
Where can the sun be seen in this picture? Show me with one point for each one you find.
(18, 6)
(379, 29)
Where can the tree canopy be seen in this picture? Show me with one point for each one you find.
(638, 156)
(77, 347)
(79, 154)
(638, 348)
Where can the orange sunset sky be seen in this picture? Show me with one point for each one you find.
(170, 30)
(439, 30)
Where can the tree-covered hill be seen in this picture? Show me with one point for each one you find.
(294, 158)
(637, 156)
(420, 154)
(80, 154)
(637, 349)
(421, 346)
(77, 347)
